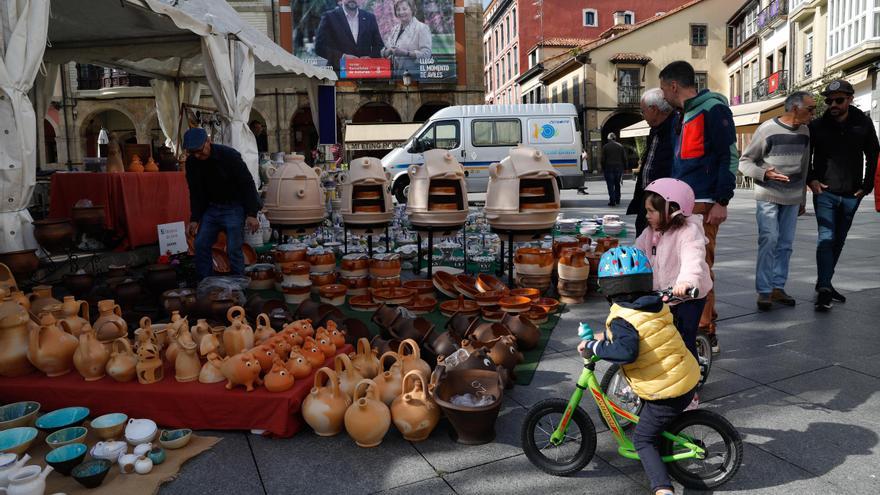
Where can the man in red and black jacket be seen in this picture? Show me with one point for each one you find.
(705, 158)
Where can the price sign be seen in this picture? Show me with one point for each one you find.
(172, 238)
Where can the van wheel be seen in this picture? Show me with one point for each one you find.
(400, 189)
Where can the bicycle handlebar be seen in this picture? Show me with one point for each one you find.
(667, 296)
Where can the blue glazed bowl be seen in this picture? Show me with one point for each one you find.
(62, 418)
(175, 439)
(157, 455)
(109, 426)
(91, 474)
(74, 434)
(65, 458)
(18, 414)
(17, 440)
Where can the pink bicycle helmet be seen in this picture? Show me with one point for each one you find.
(674, 190)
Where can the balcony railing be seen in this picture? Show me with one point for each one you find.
(775, 10)
(808, 64)
(629, 95)
(772, 86)
(96, 77)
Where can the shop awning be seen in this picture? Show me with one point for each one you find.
(378, 136)
(746, 117)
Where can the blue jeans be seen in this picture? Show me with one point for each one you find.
(776, 228)
(613, 178)
(655, 417)
(686, 317)
(834, 215)
(228, 218)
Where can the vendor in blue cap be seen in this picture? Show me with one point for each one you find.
(222, 197)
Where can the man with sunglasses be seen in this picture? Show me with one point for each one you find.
(845, 150)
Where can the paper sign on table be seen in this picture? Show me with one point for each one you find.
(172, 238)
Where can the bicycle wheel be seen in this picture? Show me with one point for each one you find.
(616, 387)
(573, 454)
(712, 432)
(704, 357)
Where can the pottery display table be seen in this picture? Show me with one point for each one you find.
(169, 403)
(134, 203)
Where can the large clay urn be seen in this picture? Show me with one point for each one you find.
(347, 374)
(91, 357)
(366, 360)
(367, 419)
(390, 381)
(238, 336)
(110, 325)
(324, 408)
(75, 314)
(13, 337)
(42, 300)
(122, 363)
(414, 412)
(160, 278)
(50, 349)
(54, 234)
(412, 360)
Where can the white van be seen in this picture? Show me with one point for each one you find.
(480, 135)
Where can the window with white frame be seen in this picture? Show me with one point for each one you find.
(629, 17)
(591, 18)
(513, 15)
(847, 24)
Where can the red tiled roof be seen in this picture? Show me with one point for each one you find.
(630, 57)
(564, 41)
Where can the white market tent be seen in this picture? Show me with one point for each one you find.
(175, 42)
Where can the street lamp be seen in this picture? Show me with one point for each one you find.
(407, 80)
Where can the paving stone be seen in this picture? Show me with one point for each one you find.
(201, 475)
(433, 486)
(838, 389)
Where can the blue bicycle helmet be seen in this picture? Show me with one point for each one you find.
(625, 270)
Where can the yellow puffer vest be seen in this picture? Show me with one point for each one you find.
(665, 368)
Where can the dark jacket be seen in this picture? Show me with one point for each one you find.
(223, 178)
(656, 161)
(705, 147)
(613, 157)
(842, 150)
(334, 37)
(624, 349)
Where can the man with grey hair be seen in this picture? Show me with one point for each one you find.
(656, 161)
(778, 159)
(613, 163)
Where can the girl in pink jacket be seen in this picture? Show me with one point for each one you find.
(676, 246)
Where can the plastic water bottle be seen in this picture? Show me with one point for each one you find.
(585, 332)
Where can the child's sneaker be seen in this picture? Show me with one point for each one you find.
(695, 403)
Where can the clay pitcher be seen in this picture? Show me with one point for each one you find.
(121, 366)
(238, 336)
(145, 333)
(298, 366)
(390, 381)
(50, 349)
(278, 379)
(91, 357)
(414, 412)
(210, 372)
(413, 361)
(105, 329)
(76, 314)
(186, 364)
(367, 419)
(199, 330)
(324, 408)
(366, 360)
(14, 337)
(264, 330)
(41, 298)
(347, 374)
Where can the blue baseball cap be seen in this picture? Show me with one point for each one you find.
(194, 138)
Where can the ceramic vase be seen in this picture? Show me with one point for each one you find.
(367, 419)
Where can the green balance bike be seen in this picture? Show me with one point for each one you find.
(702, 449)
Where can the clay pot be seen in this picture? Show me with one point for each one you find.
(41, 301)
(486, 283)
(238, 336)
(383, 346)
(151, 165)
(354, 265)
(320, 279)
(471, 425)
(488, 332)
(79, 284)
(280, 317)
(298, 366)
(414, 412)
(354, 331)
(367, 419)
(50, 349)
(187, 365)
(121, 366)
(348, 375)
(412, 360)
(159, 278)
(322, 262)
(459, 324)
(385, 316)
(54, 234)
(548, 303)
(75, 314)
(537, 258)
(532, 293)
(110, 325)
(21, 263)
(14, 337)
(180, 300)
(366, 359)
(88, 219)
(126, 291)
(385, 282)
(295, 272)
(324, 408)
(504, 352)
(296, 294)
(461, 305)
(135, 165)
(91, 357)
(560, 244)
(241, 369)
(279, 379)
(489, 298)
(421, 286)
(285, 253)
(443, 345)
(385, 265)
(220, 308)
(264, 330)
(389, 381)
(573, 264)
(417, 329)
(536, 314)
(116, 271)
(526, 333)
(356, 285)
(257, 304)
(605, 243)
(333, 294)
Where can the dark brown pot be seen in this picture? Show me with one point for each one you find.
(219, 307)
(488, 332)
(385, 317)
(526, 333)
(472, 425)
(417, 329)
(115, 271)
(89, 219)
(54, 234)
(127, 291)
(356, 329)
(459, 324)
(79, 284)
(279, 317)
(160, 278)
(443, 345)
(384, 345)
(257, 304)
(181, 300)
(22, 263)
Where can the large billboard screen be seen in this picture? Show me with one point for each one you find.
(377, 39)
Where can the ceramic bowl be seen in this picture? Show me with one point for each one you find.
(18, 414)
(91, 474)
(109, 426)
(74, 434)
(422, 286)
(139, 431)
(363, 303)
(421, 305)
(394, 295)
(486, 283)
(445, 283)
(548, 303)
(515, 304)
(62, 418)
(489, 298)
(536, 314)
(157, 455)
(464, 307)
(175, 439)
(65, 458)
(492, 313)
(466, 286)
(17, 440)
(531, 293)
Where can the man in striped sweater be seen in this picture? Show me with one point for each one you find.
(778, 159)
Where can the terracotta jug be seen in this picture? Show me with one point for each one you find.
(298, 366)
(76, 314)
(526, 333)
(136, 165)
(199, 330)
(347, 374)
(264, 330)
(149, 365)
(324, 408)
(210, 372)
(110, 326)
(238, 336)
(50, 349)
(21, 298)
(186, 364)
(278, 379)
(314, 355)
(217, 332)
(241, 369)
(41, 298)
(390, 381)
(367, 419)
(122, 363)
(265, 354)
(337, 336)
(366, 359)
(151, 165)
(90, 357)
(412, 361)
(414, 412)
(325, 344)
(13, 337)
(209, 344)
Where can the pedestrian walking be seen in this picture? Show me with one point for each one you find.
(613, 163)
(656, 161)
(705, 158)
(778, 159)
(845, 151)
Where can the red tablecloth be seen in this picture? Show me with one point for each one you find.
(170, 403)
(134, 202)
